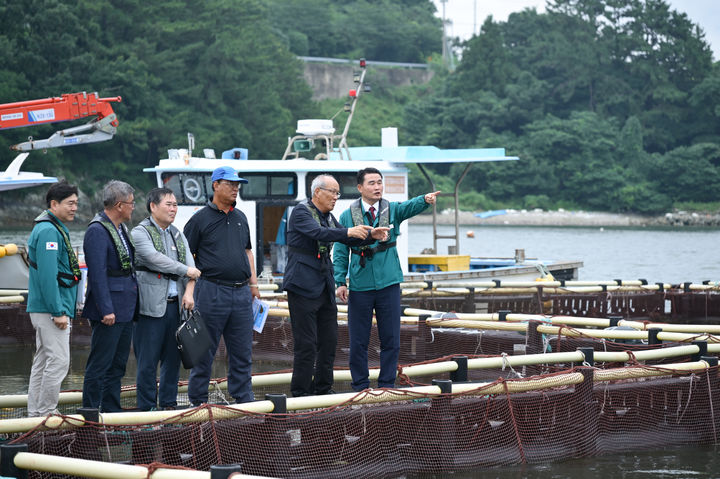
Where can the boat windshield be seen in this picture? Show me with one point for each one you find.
(196, 188)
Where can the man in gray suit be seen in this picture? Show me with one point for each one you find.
(166, 277)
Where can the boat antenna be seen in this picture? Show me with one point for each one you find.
(191, 144)
(359, 79)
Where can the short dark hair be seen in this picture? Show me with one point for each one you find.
(361, 174)
(59, 191)
(156, 195)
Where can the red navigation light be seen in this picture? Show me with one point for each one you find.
(353, 93)
(362, 63)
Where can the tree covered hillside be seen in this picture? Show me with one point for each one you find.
(611, 105)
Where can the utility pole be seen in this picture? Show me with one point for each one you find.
(475, 17)
(444, 36)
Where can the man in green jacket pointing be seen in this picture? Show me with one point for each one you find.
(52, 294)
(375, 276)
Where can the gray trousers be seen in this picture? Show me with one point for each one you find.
(50, 364)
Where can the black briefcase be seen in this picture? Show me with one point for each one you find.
(193, 339)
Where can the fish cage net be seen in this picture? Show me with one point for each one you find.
(417, 433)
(420, 344)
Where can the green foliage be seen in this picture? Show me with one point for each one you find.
(385, 30)
(215, 68)
(610, 106)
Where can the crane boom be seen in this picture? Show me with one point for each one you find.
(68, 107)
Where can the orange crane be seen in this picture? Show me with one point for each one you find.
(68, 107)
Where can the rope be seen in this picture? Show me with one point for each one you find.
(687, 404)
(710, 400)
(216, 439)
(154, 466)
(515, 426)
(505, 362)
(479, 342)
(402, 377)
(632, 359)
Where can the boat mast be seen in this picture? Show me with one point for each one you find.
(359, 80)
(323, 131)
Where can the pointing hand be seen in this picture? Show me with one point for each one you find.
(431, 198)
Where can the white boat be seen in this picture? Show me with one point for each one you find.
(12, 178)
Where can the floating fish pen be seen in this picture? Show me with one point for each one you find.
(585, 403)
(474, 390)
(688, 302)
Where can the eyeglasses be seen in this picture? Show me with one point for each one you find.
(233, 185)
(333, 192)
(131, 203)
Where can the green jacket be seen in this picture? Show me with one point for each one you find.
(46, 248)
(384, 268)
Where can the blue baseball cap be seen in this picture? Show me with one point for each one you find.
(226, 173)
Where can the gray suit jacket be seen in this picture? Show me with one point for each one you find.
(153, 290)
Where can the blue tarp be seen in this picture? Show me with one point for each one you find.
(488, 214)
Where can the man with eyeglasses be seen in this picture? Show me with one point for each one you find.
(219, 238)
(310, 287)
(52, 295)
(166, 277)
(111, 297)
(375, 276)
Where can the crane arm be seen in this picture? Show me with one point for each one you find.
(69, 106)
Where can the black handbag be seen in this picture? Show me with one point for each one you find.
(193, 339)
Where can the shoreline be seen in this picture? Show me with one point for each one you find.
(562, 217)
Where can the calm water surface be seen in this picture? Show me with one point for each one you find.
(669, 255)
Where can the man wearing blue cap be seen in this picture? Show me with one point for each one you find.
(225, 291)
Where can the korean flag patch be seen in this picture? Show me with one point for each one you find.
(51, 245)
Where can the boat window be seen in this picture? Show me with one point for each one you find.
(189, 188)
(347, 182)
(266, 185)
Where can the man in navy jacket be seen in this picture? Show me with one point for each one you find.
(111, 300)
(310, 285)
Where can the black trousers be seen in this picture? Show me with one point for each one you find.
(314, 327)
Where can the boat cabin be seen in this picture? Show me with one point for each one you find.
(275, 186)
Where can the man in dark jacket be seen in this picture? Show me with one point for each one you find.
(310, 285)
(111, 299)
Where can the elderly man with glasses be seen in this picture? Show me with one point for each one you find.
(112, 295)
(310, 287)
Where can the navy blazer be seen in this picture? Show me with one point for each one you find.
(107, 294)
(305, 273)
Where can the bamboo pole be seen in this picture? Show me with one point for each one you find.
(644, 372)
(11, 299)
(675, 328)
(106, 470)
(13, 292)
(200, 414)
(560, 319)
(96, 469)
